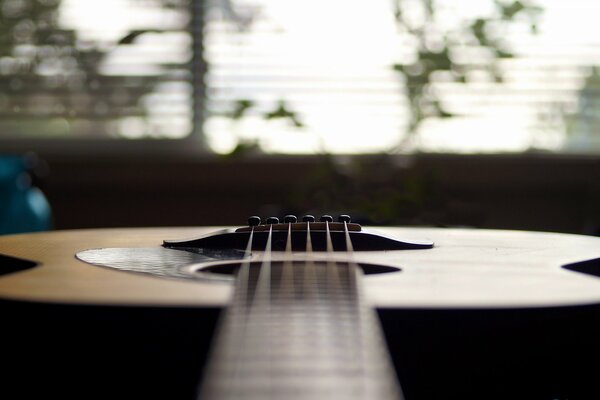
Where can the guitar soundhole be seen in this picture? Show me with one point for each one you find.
(232, 267)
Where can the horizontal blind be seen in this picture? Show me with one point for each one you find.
(331, 62)
(95, 69)
(314, 56)
(136, 69)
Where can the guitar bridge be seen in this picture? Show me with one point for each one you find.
(301, 233)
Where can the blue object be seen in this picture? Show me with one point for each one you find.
(23, 207)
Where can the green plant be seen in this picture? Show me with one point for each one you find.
(438, 49)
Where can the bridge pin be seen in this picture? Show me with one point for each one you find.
(290, 219)
(326, 218)
(272, 220)
(308, 218)
(253, 221)
(344, 218)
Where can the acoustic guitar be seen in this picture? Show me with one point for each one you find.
(300, 310)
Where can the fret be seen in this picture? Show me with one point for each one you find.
(307, 334)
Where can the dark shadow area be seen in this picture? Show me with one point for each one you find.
(546, 353)
(86, 352)
(73, 352)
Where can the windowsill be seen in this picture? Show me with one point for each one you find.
(103, 147)
(193, 149)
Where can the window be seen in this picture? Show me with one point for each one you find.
(95, 69)
(302, 77)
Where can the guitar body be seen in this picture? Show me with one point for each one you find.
(483, 314)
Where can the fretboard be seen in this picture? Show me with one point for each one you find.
(299, 331)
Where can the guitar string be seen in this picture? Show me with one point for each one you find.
(311, 282)
(259, 311)
(243, 314)
(287, 276)
(362, 340)
(229, 347)
(260, 307)
(341, 295)
(333, 279)
(252, 307)
(394, 391)
(354, 269)
(335, 296)
(309, 291)
(244, 272)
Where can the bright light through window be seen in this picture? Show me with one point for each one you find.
(331, 62)
(282, 76)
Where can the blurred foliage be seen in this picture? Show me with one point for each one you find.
(582, 127)
(577, 124)
(281, 111)
(437, 54)
(50, 78)
(374, 190)
(242, 107)
(242, 15)
(239, 108)
(437, 48)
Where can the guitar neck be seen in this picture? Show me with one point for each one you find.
(300, 331)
